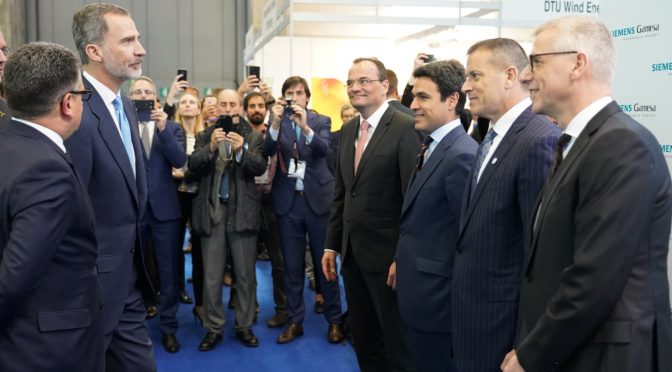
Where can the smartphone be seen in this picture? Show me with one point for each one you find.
(144, 108)
(430, 58)
(183, 72)
(254, 70)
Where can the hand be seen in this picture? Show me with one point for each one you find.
(266, 91)
(160, 118)
(329, 265)
(175, 89)
(177, 173)
(510, 363)
(217, 135)
(236, 141)
(248, 85)
(278, 110)
(210, 113)
(300, 117)
(420, 60)
(392, 275)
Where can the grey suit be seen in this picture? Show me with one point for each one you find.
(232, 225)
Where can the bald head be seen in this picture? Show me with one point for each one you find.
(228, 102)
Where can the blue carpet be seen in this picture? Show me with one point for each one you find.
(311, 352)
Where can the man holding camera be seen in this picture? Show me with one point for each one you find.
(163, 150)
(303, 188)
(226, 214)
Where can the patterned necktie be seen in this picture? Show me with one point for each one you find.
(559, 149)
(361, 142)
(145, 138)
(125, 129)
(482, 153)
(423, 152)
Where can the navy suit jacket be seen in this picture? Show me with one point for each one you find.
(489, 263)
(167, 152)
(50, 308)
(118, 198)
(318, 183)
(429, 226)
(596, 295)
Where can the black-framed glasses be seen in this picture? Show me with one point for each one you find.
(85, 93)
(6, 50)
(362, 82)
(534, 56)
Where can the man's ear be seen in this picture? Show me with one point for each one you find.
(65, 106)
(94, 52)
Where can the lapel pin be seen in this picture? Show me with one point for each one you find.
(494, 161)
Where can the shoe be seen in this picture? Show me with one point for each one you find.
(247, 338)
(152, 310)
(278, 320)
(185, 299)
(209, 342)
(170, 343)
(198, 314)
(293, 331)
(335, 333)
(319, 304)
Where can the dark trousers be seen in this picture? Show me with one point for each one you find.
(269, 236)
(379, 336)
(293, 228)
(196, 251)
(432, 351)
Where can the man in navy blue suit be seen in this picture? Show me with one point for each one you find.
(510, 168)
(50, 306)
(107, 154)
(302, 192)
(430, 215)
(163, 146)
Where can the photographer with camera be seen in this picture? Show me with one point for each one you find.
(302, 192)
(226, 214)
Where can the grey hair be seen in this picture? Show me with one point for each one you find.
(37, 76)
(586, 35)
(89, 25)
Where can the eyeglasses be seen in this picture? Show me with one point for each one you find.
(86, 93)
(362, 82)
(533, 57)
(6, 50)
(138, 92)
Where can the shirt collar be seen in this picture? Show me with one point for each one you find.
(106, 93)
(440, 132)
(580, 121)
(501, 127)
(53, 136)
(374, 119)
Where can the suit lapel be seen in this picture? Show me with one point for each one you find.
(552, 185)
(347, 149)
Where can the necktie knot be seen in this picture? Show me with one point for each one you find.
(117, 104)
(428, 141)
(559, 149)
(423, 152)
(364, 127)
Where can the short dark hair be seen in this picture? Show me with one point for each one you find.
(382, 71)
(251, 95)
(37, 76)
(293, 80)
(505, 52)
(394, 82)
(89, 25)
(448, 77)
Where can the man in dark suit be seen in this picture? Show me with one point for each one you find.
(393, 94)
(510, 168)
(4, 112)
(107, 154)
(226, 214)
(595, 295)
(430, 214)
(375, 162)
(302, 191)
(163, 145)
(50, 307)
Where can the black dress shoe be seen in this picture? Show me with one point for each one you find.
(170, 343)
(209, 342)
(185, 299)
(278, 320)
(293, 331)
(319, 306)
(335, 333)
(247, 338)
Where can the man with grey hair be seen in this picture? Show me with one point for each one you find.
(510, 168)
(108, 155)
(50, 305)
(4, 52)
(595, 295)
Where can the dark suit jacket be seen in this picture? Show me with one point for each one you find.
(366, 207)
(428, 233)
(167, 152)
(596, 295)
(244, 204)
(488, 266)
(400, 107)
(50, 317)
(118, 198)
(318, 183)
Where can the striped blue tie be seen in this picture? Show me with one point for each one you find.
(125, 129)
(482, 153)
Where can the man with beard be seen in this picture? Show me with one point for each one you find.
(254, 105)
(108, 157)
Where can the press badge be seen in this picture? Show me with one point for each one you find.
(297, 169)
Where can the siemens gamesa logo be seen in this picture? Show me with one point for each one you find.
(636, 32)
(639, 110)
